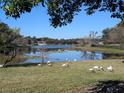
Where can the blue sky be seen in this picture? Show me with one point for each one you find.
(37, 24)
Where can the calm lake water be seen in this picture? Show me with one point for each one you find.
(59, 53)
(66, 55)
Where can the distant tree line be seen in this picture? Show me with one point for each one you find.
(58, 41)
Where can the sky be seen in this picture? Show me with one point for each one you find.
(37, 24)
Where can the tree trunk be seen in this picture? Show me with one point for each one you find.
(10, 58)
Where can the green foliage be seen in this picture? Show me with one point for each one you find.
(105, 34)
(103, 49)
(7, 42)
(114, 35)
(15, 8)
(62, 12)
(7, 37)
(56, 41)
(122, 42)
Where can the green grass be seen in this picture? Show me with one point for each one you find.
(56, 79)
(100, 49)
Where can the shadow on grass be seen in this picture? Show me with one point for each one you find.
(24, 64)
(108, 87)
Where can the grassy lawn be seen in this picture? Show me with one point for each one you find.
(56, 79)
(100, 49)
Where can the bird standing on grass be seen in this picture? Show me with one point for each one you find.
(96, 68)
(1, 66)
(39, 64)
(92, 70)
(101, 68)
(110, 68)
(65, 65)
(49, 63)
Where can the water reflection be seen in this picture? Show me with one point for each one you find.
(91, 55)
(112, 56)
(57, 56)
(62, 54)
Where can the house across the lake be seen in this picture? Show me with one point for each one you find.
(40, 43)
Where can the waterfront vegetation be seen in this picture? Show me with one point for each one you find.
(17, 59)
(57, 79)
(102, 49)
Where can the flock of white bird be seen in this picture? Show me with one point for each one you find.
(93, 69)
(49, 63)
(100, 68)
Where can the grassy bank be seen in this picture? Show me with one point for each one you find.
(56, 79)
(100, 49)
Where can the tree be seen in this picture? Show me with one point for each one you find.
(7, 42)
(114, 35)
(62, 12)
(111, 36)
(105, 35)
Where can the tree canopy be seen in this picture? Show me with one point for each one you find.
(7, 36)
(114, 35)
(62, 12)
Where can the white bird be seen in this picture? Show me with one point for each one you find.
(1, 66)
(59, 50)
(101, 68)
(48, 62)
(110, 68)
(39, 64)
(96, 67)
(65, 65)
(92, 70)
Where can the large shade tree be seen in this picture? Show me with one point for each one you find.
(62, 12)
(114, 35)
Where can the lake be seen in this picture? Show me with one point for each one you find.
(63, 53)
(66, 55)
(59, 53)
